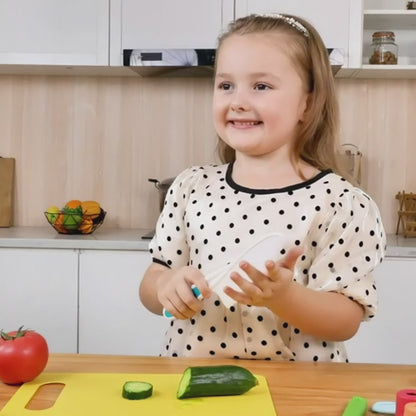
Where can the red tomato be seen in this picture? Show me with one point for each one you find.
(23, 356)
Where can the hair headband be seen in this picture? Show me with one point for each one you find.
(290, 21)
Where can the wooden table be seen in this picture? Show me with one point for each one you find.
(297, 389)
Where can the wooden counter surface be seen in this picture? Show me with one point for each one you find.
(297, 389)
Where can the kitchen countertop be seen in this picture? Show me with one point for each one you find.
(297, 388)
(399, 246)
(130, 239)
(101, 239)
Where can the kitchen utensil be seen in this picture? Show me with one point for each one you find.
(162, 187)
(197, 294)
(351, 159)
(357, 406)
(268, 248)
(403, 397)
(386, 408)
(409, 409)
(87, 394)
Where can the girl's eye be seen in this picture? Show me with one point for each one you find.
(261, 87)
(226, 86)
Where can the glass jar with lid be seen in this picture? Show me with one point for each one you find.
(384, 50)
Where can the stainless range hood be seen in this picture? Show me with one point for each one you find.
(189, 62)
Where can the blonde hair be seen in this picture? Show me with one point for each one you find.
(317, 139)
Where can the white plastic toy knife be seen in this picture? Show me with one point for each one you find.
(267, 248)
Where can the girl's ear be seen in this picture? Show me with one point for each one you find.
(306, 107)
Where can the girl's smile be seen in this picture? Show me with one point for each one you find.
(244, 124)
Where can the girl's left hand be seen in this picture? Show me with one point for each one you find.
(264, 289)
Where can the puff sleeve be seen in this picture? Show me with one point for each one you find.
(344, 249)
(169, 245)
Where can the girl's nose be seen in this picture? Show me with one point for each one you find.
(240, 100)
(239, 105)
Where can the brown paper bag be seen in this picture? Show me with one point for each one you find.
(7, 167)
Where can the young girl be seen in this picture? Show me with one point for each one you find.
(275, 112)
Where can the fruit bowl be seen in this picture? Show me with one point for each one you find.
(74, 223)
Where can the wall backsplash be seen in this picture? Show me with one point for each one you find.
(103, 137)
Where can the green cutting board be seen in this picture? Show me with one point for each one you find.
(88, 394)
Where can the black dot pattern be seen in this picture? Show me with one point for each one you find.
(208, 220)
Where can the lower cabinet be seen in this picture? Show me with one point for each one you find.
(39, 290)
(82, 301)
(390, 337)
(112, 319)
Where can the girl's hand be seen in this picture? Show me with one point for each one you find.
(264, 289)
(175, 294)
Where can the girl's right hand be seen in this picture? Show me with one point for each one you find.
(175, 294)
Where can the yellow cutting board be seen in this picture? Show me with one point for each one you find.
(87, 394)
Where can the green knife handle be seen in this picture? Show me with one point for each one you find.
(357, 406)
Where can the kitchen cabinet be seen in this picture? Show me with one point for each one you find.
(112, 319)
(78, 37)
(389, 15)
(350, 25)
(54, 32)
(81, 301)
(330, 18)
(390, 337)
(182, 24)
(39, 290)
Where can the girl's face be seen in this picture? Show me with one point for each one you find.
(259, 97)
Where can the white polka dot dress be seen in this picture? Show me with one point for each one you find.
(208, 219)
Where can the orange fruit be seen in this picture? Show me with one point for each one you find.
(86, 226)
(73, 204)
(59, 224)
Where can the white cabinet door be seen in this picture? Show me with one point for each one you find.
(173, 24)
(39, 289)
(330, 18)
(390, 337)
(111, 318)
(54, 32)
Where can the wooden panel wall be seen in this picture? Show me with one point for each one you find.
(378, 116)
(103, 137)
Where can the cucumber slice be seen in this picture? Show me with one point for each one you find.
(137, 390)
(220, 380)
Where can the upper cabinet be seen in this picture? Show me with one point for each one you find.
(349, 25)
(389, 15)
(91, 36)
(330, 18)
(158, 24)
(54, 32)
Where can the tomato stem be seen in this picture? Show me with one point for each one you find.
(7, 337)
